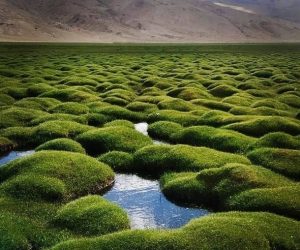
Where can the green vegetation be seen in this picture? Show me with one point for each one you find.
(277, 140)
(164, 130)
(91, 215)
(73, 108)
(63, 144)
(284, 161)
(18, 232)
(215, 185)
(230, 112)
(14, 116)
(43, 104)
(117, 123)
(118, 160)
(281, 200)
(44, 132)
(158, 159)
(6, 145)
(263, 125)
(233, 230)
(216, 138)
(110, 138)
(183, 118)
(70, 95)
(34, 187)
(80, 174)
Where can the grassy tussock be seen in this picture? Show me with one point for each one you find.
(110, 138)
(222, 102)
(231, 228)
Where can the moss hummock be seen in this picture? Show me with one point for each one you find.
(118, 160)
(158, 159)
(216, 138)
(219, 231)
(284, 161)
(62, 144)
(215, 186)
(80, 174)
(118, 138)
(91, 215)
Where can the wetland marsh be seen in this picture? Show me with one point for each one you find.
(114, 136)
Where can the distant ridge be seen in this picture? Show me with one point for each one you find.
(150, 20)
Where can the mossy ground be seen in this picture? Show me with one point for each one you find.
(235, 230)
(234, 107)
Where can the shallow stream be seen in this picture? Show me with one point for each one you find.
(143, 200)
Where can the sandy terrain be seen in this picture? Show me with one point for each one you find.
(149, 21)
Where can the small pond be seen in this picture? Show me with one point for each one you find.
(14, 155)
(143, 200)
(146, 206)
(143, 128)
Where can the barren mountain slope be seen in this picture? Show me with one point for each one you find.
(149, 20)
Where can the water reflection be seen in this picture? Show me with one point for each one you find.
(14, 155)
(143, 128)
(146, 206)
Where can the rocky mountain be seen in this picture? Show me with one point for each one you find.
(150, 20)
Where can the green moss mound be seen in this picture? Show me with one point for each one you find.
(14, 116)
(282, 200)
(6, 145)
(223, 90)
(277, 140)
(175, 104)
(216, 138)
(34, 187)
(264, 125)
(218, 118)
(141, 106)
(158, 159)
(79, 81)
(6, 100)
(38, 89)
(189, 93)
(183, 118)
(59, 117)
(118, 138)
(216, 100)
(284, 161)
(18, 232)
(72, 108)
(34, 136)
(116, 101)
(62, 144)
(212, 104)
(291, 100)
(262, 229)
(262, 111)
(80, 174)
(123, 123)
(57, 129)
(95, 120)
(92, 215)
(164, 129)
(116, 113)
(263, 74)
(15, 92)
(118, 160)
(70, 95)
(20, 136)
(37, 103)
(270, 103)
(215, 185)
